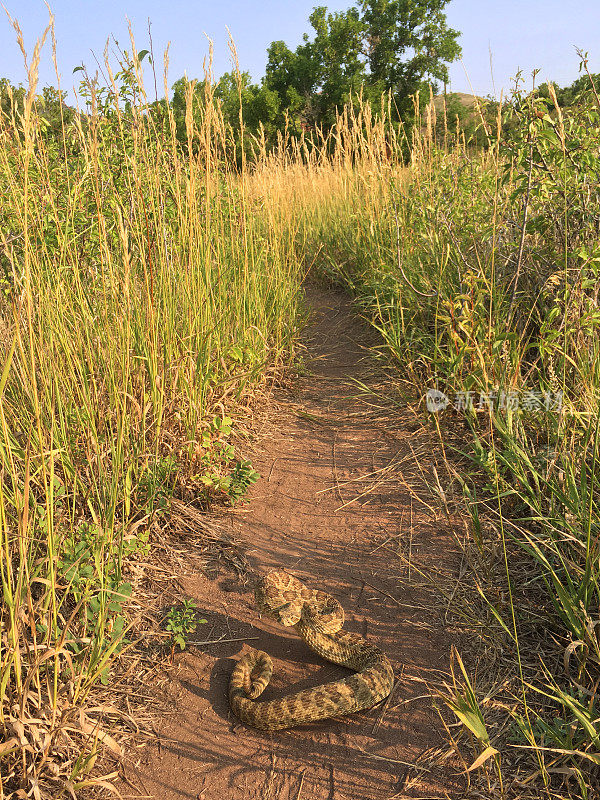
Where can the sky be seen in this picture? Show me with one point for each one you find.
(511, 34)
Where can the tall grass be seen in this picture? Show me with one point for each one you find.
(142, 298)
(147, 286)
(480, 269)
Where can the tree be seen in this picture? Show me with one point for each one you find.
(337, 51)
(570, 95)
(375, 46)
(55, 112)
(12, 100)
(294, 78)
(260, 107)
(321, 74)
(408, 43)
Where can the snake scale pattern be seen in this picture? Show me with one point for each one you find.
(318, 619)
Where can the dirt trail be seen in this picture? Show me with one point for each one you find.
(377, 544)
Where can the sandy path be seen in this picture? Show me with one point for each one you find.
(377, 553)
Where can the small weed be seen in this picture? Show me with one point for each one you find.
(182, 621)
(242, 477)
(219, 477)
(155, 486)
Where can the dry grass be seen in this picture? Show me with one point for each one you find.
(143, 304)
(152, 288)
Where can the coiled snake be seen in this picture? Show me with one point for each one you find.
(318, 619)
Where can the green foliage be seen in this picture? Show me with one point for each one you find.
(571, 95)
(12, 99)
(55, 113)
(467, 118)
(222, 476)
(182, 621)
(242, 477)
(410, 44)
(260, 106)
(373, 47)
(156, 484)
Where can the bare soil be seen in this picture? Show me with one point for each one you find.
(343, 503)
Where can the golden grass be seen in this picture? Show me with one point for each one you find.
(150, 286)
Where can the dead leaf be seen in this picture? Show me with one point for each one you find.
(483, 757)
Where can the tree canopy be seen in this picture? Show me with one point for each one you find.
(373, 47)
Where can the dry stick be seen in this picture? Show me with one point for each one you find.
(393, 760)
(222, 640)
(410, 528)
(589, 74)
(300, 784)
(399, 254)
(395, 461)
(413, 700)
(391, 596)
(523, 227)
(384, 709)
(272, 468)
(359, 478)
(334, 467)
(136, 788)
(461, 573)
(388, 540)
(359, 496)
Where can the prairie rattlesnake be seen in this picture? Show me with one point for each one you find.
(318, 619)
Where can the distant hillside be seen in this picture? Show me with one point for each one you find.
(467, 100)
(467, 107)
(456, 102)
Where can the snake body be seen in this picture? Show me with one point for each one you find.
(318, 619)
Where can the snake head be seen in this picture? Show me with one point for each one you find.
(278, 595)
(326, 616)
(286, 614)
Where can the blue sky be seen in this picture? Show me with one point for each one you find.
(521, 34)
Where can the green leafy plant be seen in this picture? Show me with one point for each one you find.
(242, 477)
(182, 621)
(155, 485)
(219, 477)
